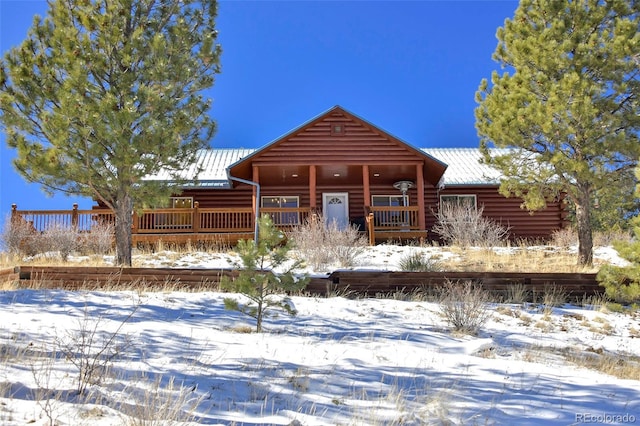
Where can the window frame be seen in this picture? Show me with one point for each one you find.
(390, 218)
(282, 218)
(406, 200)
(459, 198)
(174, 220)
(174, 199)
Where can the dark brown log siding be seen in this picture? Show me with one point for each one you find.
(507, 211)
(359, 145)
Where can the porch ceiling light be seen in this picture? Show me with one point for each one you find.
(336, 174)
(376, 174)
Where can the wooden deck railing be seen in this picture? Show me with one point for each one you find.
(195, 220)
(388, 221)
(163, 221)
(287, 216)
(81, 220)
(384, 222)
(396, 217)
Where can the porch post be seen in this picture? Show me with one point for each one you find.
(74, 217)
(196, 217)
(421, 210)
(366, 185)
(254, 198)
(312, 187)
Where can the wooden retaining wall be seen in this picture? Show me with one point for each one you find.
(367, 283)
(8, 275)
(375, 282)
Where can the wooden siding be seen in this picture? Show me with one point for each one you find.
(241, 197)
(360, 143)
(507, 211)
(221, 198)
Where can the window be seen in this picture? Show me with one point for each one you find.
(389, 200)
(459, 200)
(181, 202)
(175, 220)
(280, 202)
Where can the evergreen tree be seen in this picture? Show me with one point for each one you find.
(258, 281)
(566, 105)
(622, 284)
(103, 93)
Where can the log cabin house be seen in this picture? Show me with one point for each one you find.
(337, 165)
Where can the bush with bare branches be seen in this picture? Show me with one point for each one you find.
(99, 240)
(19, 237)
(463, 225)
(464, 306)
(322, 243)
(60, 239)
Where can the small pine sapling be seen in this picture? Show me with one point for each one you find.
(258, 279)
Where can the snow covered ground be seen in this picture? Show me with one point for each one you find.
(177, 356)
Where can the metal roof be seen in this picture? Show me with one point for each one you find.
(464, 166)
(212, 164)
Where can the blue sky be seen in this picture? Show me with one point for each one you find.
(411, 68)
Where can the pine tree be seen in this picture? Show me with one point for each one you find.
(259, 281)
(567, 105)
(622, 284)
(103, 93)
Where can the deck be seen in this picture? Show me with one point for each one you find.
(217, 225)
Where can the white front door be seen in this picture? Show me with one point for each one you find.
(335, 207)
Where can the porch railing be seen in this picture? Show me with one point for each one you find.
(195, 220)
(385, 218)
(287, 216)
(41, 220)
(163, 221)
(398, 220)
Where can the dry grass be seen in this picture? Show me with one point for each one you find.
(520, 259)
(622, 366)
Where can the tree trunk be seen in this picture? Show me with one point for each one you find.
(585, 235)
(259, 318)
(124, 220)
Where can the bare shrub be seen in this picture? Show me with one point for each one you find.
(46, 393)
(564, 238)
(92, 350)
(322, 243)
(417, 261)
(99, 240)
(19, 237)
(464, 306)
(517, 293)
(463, 225)
(60, 239)
(161, 403)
